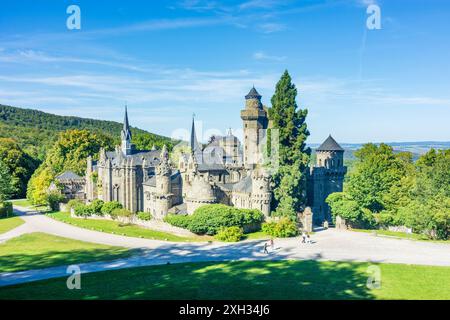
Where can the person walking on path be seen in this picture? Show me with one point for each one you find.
(308, 239)
(265, 248)
(303, 237)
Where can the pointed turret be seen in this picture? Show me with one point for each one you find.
(126, 135)
(196, 149)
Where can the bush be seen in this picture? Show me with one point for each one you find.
(283, 228)
(230, 234)
(6, 209)
(178, 220)
(120, 212)
(96, 206)
(72, 204)
(146, 216)
(82, 210)
(53, 200)
(109, 207)
(209, 219)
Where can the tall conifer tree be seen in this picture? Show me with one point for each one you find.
(290, 180)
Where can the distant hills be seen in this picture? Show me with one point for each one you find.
(35, 130)
(416, 148)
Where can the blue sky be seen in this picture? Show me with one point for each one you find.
(169, 59)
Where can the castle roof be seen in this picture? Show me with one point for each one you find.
(68, 175)
(151, 157)
(253, 94)
(330, 145)
(245, 185)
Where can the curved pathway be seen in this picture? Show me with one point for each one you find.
(328, 245)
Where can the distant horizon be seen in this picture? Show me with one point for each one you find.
(188, 128)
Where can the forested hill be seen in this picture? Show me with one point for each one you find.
(35, 131)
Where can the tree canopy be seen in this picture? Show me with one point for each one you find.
(68, 153)
(388, 189)
(290, 179)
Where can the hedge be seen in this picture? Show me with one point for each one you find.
(109, 207)
(145, 216)
(209, 219)
(230, 234)
(283, 228)
(6, 209)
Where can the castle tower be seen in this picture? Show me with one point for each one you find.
(126, 135)
(254, 119)
(199, 193)
(90, 183)
(261, 194)
(325, 177)
(230, 144)
(163, 196)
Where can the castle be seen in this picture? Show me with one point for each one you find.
(220, 172)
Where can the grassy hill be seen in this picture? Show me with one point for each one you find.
(36, 131)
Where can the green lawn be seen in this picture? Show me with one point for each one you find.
(22, 202)
(400, 235)
(27, 204)
(126, 230)
(7, 224)
(247, 280)
(40, 250)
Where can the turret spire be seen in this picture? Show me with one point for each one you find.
(126, 135)
(194, 143)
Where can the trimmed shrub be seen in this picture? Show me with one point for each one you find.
(82, 211)
(209, 219)
(72, 204)
(53, 199)
(283, 228)
(230, 234)
(120, 212)
(178, 220)
(6, 209)
(109, 207)
(96, 206)
(146, 216)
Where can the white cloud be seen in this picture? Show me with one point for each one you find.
(259, 55)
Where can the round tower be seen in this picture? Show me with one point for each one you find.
(330, 154)
(261, 194)
(200, 193)
(255, 122)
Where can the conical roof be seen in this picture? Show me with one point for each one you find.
(253, 94)
(330, 145)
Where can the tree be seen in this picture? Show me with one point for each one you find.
(68, 153)
(290, 179)
(146, 141)
(20, 164)
(6, 183)
(376, 171)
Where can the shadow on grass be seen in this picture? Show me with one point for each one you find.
(21, 261)
(271, 277)
(209, 280)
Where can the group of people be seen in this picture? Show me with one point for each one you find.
(306, 238)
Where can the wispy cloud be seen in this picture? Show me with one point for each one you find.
(260, 55)
(271, 27)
